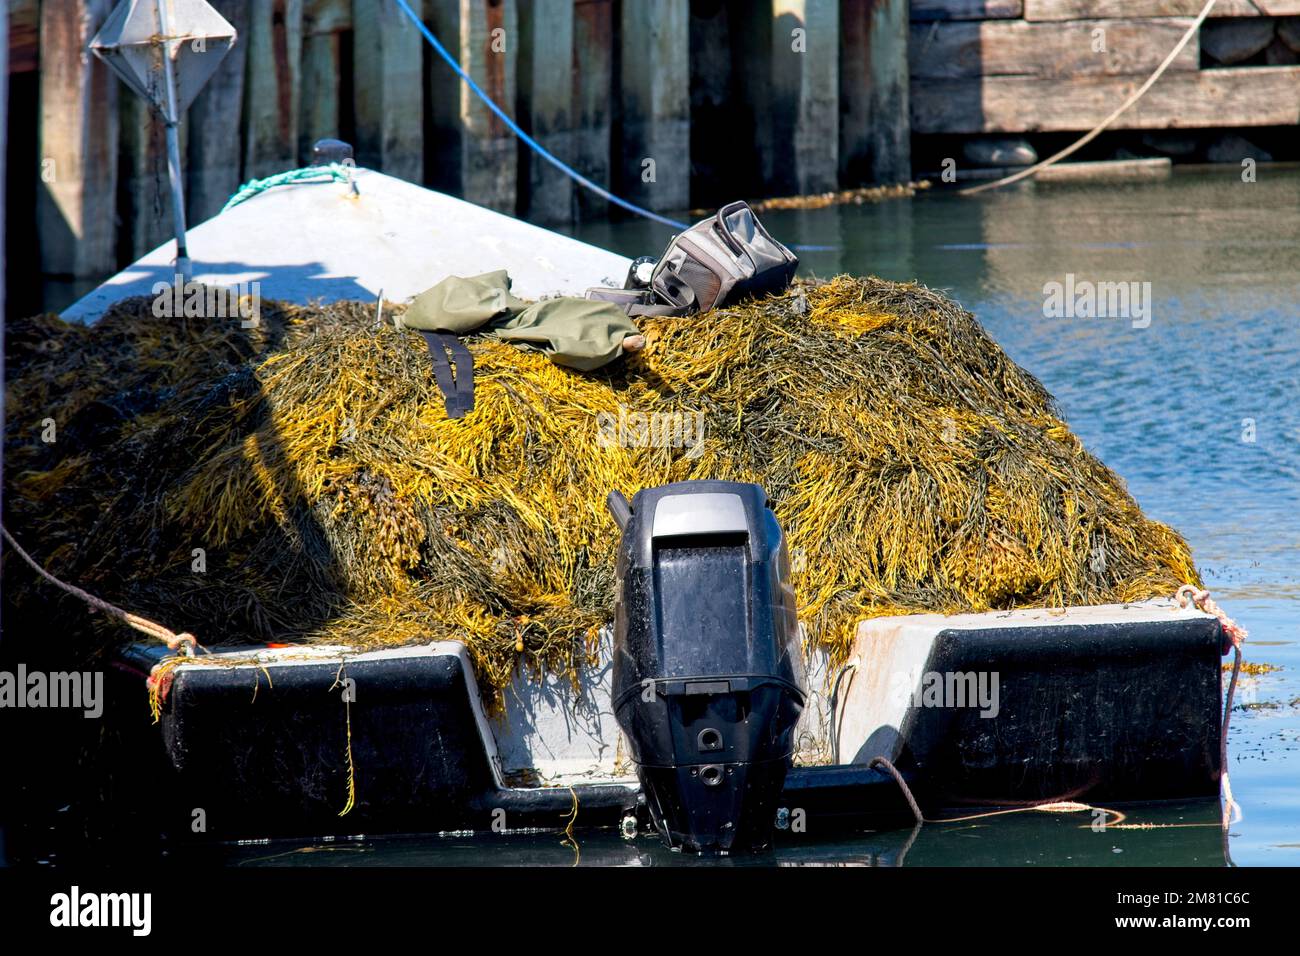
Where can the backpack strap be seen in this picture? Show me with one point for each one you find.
(679, 295)
(656, 310)
(458, 393)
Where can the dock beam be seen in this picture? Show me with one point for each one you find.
(387, 91)
(805, 95)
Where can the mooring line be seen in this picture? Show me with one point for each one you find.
(1099, 128)
(1234, 635)
(184, 642)
(1047, 806)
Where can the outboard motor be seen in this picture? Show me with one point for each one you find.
(708, 670)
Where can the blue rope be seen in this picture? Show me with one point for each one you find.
(335, 172)
(535, 146)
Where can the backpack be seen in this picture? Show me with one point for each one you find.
(715, 262)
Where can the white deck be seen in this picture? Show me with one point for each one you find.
(316, 242)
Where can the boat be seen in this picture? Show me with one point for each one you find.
(1115, 703)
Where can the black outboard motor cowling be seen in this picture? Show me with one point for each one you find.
(708, 671)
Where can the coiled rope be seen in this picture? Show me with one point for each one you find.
(184, 642)
(1096, 130)
(333, 172)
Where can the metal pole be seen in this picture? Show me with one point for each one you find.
(172, 120)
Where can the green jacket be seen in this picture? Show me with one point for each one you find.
(579, 333)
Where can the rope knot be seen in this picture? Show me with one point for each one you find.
(1233, 633)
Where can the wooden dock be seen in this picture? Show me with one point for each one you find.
(1017, 66)
(670, 103)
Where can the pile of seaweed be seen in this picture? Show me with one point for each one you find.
(299, 481)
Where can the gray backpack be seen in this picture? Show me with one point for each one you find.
(717, 261)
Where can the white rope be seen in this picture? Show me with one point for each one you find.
(1096, 131)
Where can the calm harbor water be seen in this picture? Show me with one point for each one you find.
(1198, 408)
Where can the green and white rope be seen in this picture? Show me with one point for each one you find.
(334, 172)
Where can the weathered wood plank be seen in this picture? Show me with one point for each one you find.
(655, 161)
(1107, 171)
(271, 103)
(1017, 48)
(214, 161)
(76, 178)
(23, 46)
(805, 95)
(545, 103)
(875, 135)
(472, 152)
(388, 89)
(1244, 96)
(593, 79)
(966, 9)
(1101, 9)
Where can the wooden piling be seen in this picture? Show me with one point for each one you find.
(472, 153)
(388, 89)
(874, 131)
(272, 87)
(545, 100)
(214, 158)
(326, 25)
(593, 79)
(805, 95)
(76, 172)
(652, 148)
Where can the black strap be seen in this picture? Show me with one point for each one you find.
(656, 310)
(458, 393)
(684, 303)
